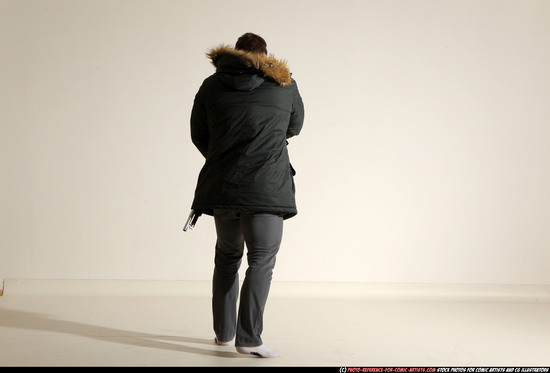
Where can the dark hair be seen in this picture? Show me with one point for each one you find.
(251, 43)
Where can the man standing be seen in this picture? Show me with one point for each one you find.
(241, 119)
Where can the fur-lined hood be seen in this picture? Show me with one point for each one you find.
(268, 65)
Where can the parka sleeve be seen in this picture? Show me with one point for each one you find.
(199, 125)
(297, 113)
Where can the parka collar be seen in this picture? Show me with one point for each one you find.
(268, 65)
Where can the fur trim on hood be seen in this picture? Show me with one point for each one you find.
(268, 65)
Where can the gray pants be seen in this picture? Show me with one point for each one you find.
(262, 234)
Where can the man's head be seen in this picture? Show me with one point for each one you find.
(250, 42)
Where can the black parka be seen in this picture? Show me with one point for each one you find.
(241, 119)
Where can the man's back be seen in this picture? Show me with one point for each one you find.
(242, 117)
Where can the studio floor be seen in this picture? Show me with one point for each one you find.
(308, 328)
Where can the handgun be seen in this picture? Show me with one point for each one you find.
(191, 220)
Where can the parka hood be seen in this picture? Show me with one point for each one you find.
(227, 59)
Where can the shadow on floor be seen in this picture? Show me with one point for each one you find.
(35, 321)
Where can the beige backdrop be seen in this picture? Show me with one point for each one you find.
(424, 157)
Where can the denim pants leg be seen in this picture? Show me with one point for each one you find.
(262, 234)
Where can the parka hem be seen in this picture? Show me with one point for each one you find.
(286, 212)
